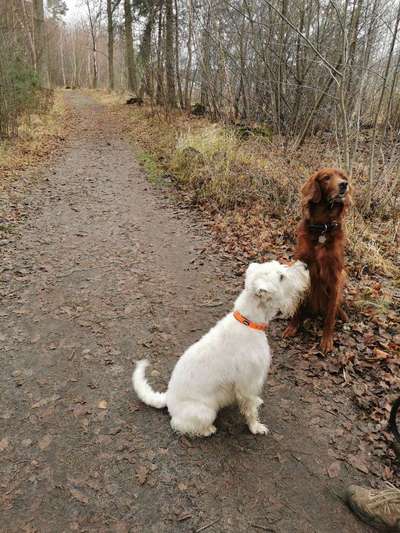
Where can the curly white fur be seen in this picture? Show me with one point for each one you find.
(229, 364)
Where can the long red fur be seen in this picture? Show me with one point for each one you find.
(325, 261)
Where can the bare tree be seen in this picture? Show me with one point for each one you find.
(188, 71)
(160, 99)
(146, 51)
(371, 170)
(40, 43)
(169, 53)
(94, 12)
(129, 50)
(110, 44)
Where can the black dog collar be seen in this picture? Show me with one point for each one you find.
(324, 228)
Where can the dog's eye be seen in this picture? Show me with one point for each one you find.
(281, 277)
(326, 178)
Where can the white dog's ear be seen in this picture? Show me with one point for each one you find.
(252, 268)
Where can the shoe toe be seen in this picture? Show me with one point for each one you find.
(351, 491)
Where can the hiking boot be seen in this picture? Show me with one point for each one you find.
(379, 508)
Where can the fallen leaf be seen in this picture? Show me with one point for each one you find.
(334, 469)
(102, 404)
(141, 474)
(78, 495)
(45, 401)
(128, 309)
(387, 473)
(358, 463)
(3, 444)
(35, 338)
(45, 442)
(380, 354)
(81, 409)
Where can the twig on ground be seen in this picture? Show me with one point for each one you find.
(206, 526)
(184, 517)
(262, 527)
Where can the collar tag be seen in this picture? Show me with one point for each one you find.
(322, 239)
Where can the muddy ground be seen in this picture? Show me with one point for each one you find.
(106, 269)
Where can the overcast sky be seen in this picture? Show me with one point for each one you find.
(75, 10)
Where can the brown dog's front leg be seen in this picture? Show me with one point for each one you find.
(329, 324)
(294, 323)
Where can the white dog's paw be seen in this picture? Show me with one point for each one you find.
(210, 430)
(258, 429)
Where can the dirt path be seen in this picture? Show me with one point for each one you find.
(106, 270)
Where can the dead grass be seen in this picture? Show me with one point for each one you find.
(38, 137)
(373, 245)
(251, 186)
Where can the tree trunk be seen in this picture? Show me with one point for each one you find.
(169, 54)
(93, 34)
(129, 51)
(110, 45)
(145, 53)
(378, 111)
(61, 41)
(24, 20)
(94, 57)
(178, 74)
(94, 60)
(189, 60)
(205, 61)
(302, 137)
(40, 43)
(391, 94)
(160, 70)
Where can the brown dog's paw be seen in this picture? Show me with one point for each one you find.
(326, 344)
(290, 331)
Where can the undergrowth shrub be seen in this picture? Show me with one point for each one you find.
(210, 164)
(219, 167)
(20, 93)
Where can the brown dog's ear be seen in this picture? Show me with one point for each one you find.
(311, 192)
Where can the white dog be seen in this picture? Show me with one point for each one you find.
(229, 364)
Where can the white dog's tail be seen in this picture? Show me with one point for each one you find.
(143, 389)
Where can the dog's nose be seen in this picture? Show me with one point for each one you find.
(343, 186)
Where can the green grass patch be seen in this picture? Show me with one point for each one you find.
(154, 171)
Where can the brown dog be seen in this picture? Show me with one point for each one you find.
(320, 244)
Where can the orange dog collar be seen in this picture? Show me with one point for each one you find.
(253, 325)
